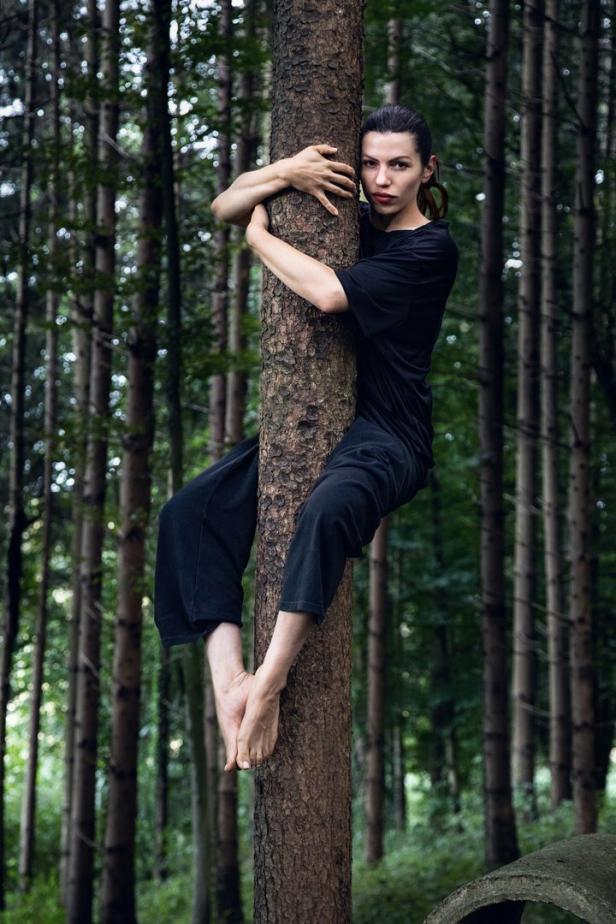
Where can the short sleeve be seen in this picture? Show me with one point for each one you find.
(382, 289)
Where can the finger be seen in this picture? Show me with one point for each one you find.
(348, 193)
(341, 167)
(343, 181)
(325, 147)
(325, 202)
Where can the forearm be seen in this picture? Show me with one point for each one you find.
(237, 202)
(304, 275)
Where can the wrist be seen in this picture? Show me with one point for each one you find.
(254, 234)
(285, 170)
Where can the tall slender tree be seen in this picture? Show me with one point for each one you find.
(578, 512)
(83, 817)
(118, 892)
(312, 102)
(228, 898)
(558, 667)
(28, 815)
(524, 681)
(82, 184)
(501, 839)
(192, 655)
(16, 511)
(218, 396)
(375, 729)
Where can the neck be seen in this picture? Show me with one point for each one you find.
(407, 218)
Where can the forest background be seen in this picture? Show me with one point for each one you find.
(430, 744)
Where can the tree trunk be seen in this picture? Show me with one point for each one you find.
(118, 891)
(303, 795)
(443, 713)
(247, 147)
(500, 839)
(579, 513)
(81, 320)
(560, 758)
(161, 821)
(83, 822)
(15, 508)
(399, 790)
(228, 896)
(377, 634)
(28, 814)
(524, 681)
(192, 667)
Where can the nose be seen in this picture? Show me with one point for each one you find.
(382, 179)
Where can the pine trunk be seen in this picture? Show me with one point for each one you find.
(579, 502)
(83, 820)
(560, 713)
(303, 794)
(218, 396)
(500, 837)
(524, 636)
(228, 895)
(443, 713)
(15, 508)
(377, 634)
(81, 320)
(118, 891)
(28, 814)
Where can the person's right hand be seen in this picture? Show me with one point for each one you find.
(311, 172)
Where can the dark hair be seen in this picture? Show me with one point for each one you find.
(394, 118)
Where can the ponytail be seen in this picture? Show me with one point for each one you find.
(426, 202)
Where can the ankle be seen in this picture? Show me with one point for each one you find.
(273, 676)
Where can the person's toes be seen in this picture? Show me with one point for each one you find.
(231, 757)
(243, 758)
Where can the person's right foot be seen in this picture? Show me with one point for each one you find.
(230, 701)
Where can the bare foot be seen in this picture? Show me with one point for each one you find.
(259, 729)
(230, 701)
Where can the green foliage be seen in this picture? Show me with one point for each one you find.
(40, 904)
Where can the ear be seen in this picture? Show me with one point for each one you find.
(429, 170)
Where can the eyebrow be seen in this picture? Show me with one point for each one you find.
(399, 157)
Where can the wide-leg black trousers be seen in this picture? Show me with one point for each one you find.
(206, 531)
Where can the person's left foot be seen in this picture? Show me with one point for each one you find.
(259, 729)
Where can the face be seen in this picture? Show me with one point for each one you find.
(391, 166)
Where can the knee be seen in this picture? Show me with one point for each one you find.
(347, 515)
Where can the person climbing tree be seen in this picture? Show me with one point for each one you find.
(393, 300)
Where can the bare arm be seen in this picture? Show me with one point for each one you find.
(308, 171)
(307, 277)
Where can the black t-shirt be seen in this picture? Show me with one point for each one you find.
(397, 294)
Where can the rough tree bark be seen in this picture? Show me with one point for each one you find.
(501, 839)
(28, 814)
(524, 680)
(118, 889)
(83, 819)
(302, 794)
(558, 668)
(16, 515)
(579, 512)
